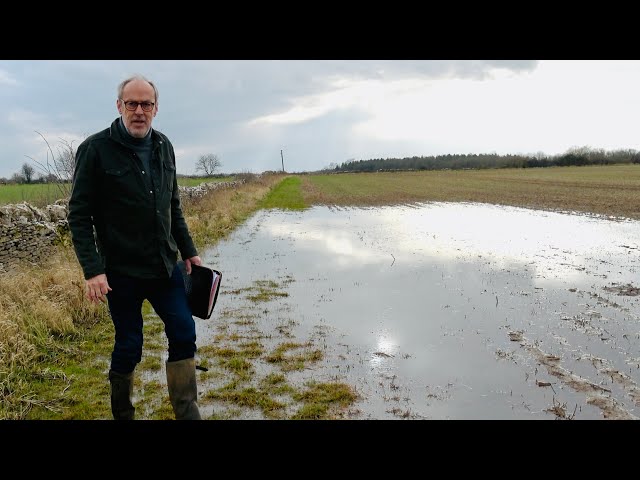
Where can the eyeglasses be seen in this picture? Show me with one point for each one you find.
(133, 106)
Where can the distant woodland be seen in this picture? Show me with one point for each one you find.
(574, 156)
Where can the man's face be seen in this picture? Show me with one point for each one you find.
(138, 122)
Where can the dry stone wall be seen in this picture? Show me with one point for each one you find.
(204, 188)
(28, 233)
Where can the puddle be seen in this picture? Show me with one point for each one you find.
(449, 310)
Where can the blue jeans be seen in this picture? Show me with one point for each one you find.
(168, 299)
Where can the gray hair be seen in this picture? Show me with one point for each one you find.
(137, 77)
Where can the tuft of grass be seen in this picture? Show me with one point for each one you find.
(151, 362)
(321, 399)
(266, 290)
(297, 361)
(239, 365)
(248, 398)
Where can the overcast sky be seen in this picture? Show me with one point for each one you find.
(320, 112)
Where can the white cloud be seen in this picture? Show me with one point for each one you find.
(325, 111)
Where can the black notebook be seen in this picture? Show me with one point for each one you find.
(202, 287)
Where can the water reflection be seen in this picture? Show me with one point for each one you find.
(454, 310)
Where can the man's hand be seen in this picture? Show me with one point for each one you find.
(97, 288)
(188, 261)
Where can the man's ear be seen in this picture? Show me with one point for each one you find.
(119, 106)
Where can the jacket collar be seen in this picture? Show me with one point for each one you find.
(116, 134)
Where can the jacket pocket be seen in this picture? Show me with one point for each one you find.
(118, 172)
(120, 181)
(169, 175)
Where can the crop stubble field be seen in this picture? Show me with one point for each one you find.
(611, 190)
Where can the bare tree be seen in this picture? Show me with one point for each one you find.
(208, 164)
(331, 166)
(17, 178)
(27, 172)
(60, 166)
(49, 178)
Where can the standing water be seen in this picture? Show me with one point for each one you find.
(451, 310)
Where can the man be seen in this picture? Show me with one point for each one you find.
(125, 188)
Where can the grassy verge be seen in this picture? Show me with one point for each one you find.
(216, 215)
(49, 337)
(288, 195)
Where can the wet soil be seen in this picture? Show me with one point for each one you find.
(435, 311)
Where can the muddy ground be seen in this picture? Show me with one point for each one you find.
(434, 311)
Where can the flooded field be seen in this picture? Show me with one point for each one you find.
(446, 310)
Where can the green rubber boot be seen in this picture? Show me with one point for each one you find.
(121, 390)
(183, 392)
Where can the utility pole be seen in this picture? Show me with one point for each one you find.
(282, 157)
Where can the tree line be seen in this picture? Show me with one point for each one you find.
(573, 156)
(58, 168)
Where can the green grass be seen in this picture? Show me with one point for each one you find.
(74, 385)
(38, 194)
(287, 195)
(42, 194)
